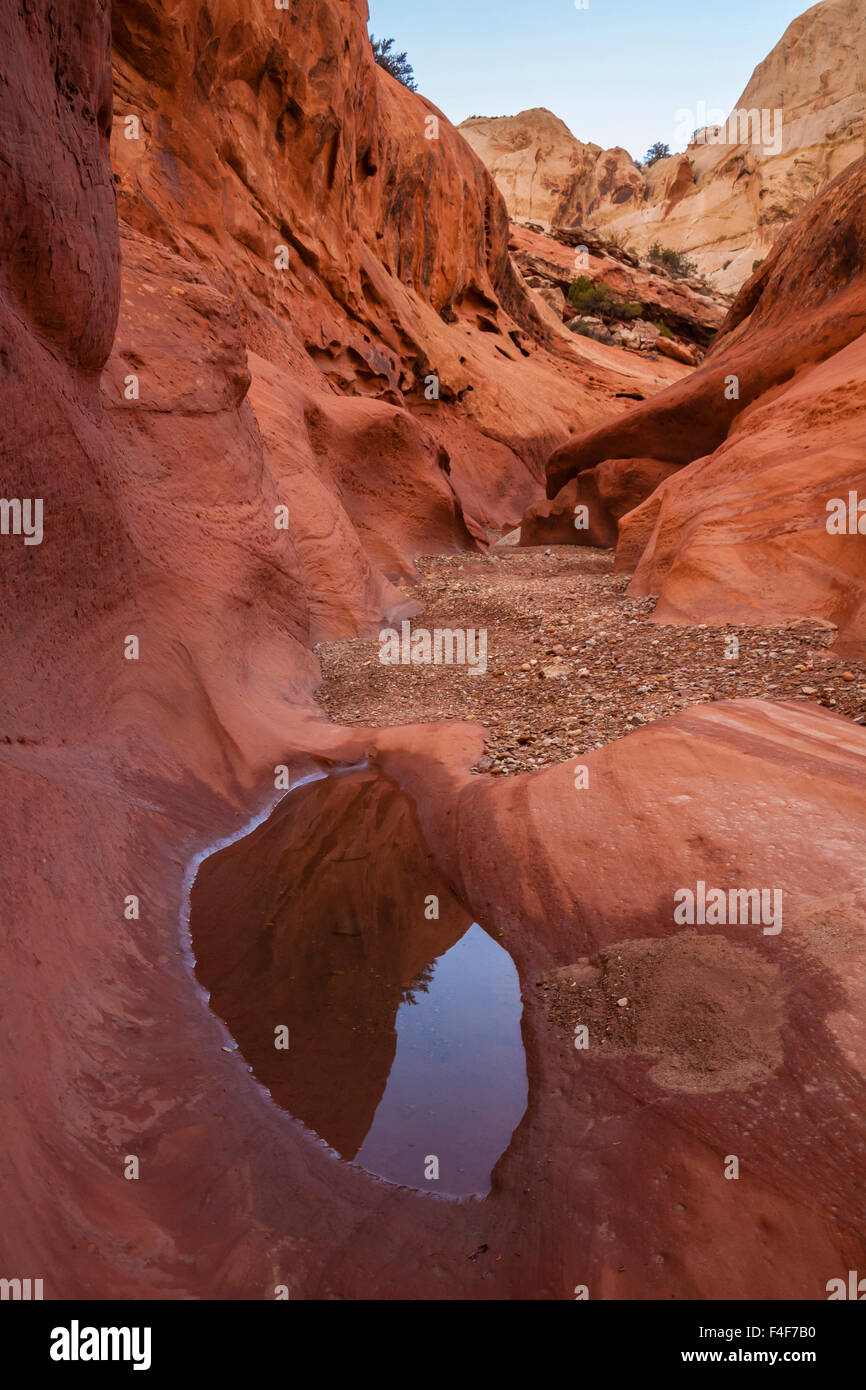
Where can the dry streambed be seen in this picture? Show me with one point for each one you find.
(572, 661)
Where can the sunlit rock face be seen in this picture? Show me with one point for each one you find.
(548, 176)
(729, 521)
(729, 195)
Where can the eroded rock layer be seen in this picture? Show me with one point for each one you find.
(156, 644)
(761, 442)
(363, 252)
(800, 120)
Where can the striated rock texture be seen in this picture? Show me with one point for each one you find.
(726, 198)
(364, 251)
(546, 174)
(763, 437)
(686, 308)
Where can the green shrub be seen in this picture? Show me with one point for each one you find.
(656, 152)
(663, 329)
(618, 240)
(583, 295)
(599, 300)
(396, 63)
(755, 264)
(674, 261)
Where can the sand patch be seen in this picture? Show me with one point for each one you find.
(709, 1011)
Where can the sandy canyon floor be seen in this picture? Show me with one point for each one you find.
(572, 661)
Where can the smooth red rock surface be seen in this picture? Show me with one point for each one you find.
(118, 774)
(766, 432)
(607, 493)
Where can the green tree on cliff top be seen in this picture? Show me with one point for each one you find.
(396, 63)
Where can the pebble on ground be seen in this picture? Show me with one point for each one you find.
(572, 661)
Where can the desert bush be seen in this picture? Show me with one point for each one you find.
(674, 261)
(396, 63)
(598, 299)
(656, 152)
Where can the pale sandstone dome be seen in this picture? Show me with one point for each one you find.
(722, 204)
(545, 174)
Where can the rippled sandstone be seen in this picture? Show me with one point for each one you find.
(165, 444)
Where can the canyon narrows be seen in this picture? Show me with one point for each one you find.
(281, 834)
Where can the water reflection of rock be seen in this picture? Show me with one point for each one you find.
(317, 922)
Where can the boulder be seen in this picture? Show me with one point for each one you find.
(680, 352)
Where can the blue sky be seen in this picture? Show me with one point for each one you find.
(616, 72)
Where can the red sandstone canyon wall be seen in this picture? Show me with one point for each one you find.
(165, 389)
(759, 440)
